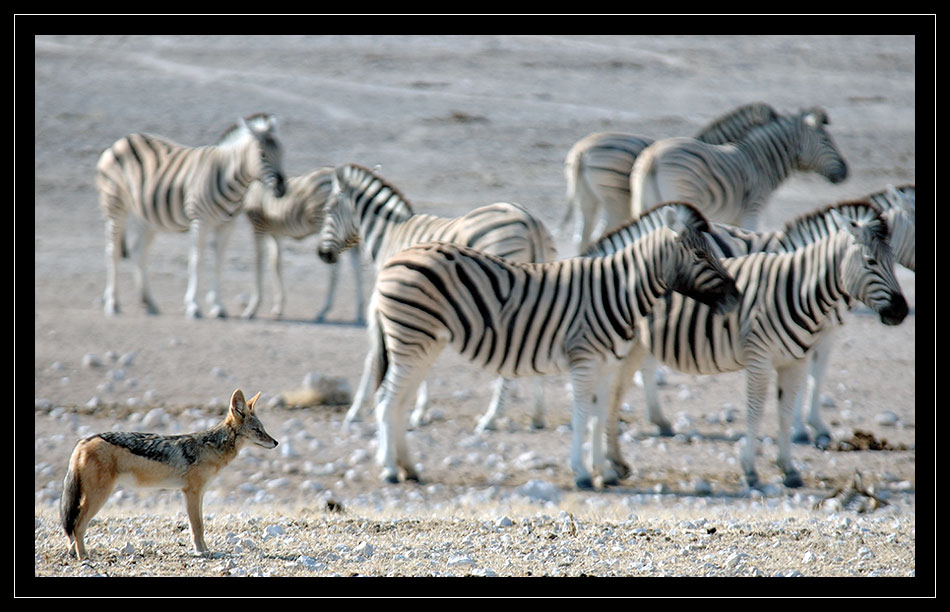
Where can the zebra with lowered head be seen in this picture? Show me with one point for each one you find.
(164, 186)
(731, 183)
(790, 301)
(364, 209)
(597, 168)
(525, 319)
(298, 214)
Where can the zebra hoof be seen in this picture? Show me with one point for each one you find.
(390, 477)
(752, 480)
(823, 441)
(800, 438)
(111, 310)
(412, 477)
(585, 483)
(621, 469)
(793, 480)
(665, 430)
(610, 479)
(537, 425)
(218, 312)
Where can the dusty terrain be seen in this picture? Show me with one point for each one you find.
(454, 122)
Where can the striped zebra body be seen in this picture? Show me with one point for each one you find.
(731, 183)
(524, 319)
(364, 209)
(896, 209)
(164, 186)
(298, 214)
(791, 301)
(598, 166)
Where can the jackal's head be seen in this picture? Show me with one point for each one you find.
(245, 423)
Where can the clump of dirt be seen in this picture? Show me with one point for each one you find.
(865, 440)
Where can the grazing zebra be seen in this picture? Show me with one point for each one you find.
(172, 188)
(730, 241)
(364, 209)
(298, 215)
(790, 301)
(731, 183)
(525, 319)
(598, 168)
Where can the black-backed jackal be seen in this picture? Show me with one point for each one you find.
(187, 462)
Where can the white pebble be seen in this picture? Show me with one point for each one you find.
(504, 522)
(887, 418)
(460, 560)
(91, 360)
(364, 549)
(154, 418)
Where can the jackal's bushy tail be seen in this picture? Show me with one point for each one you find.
(69, 504)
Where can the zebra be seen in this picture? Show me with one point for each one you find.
(173, 188)
(528, 319)
(790, 301)
(732, 182)
(729, 241)
(365, 209)
(898, 204)
(298, 215)
(597, 167)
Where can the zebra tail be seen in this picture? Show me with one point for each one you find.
(69, 504)
(382, 355)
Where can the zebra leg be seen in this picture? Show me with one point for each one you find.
(115, 229)
(369, 366)
(648, 371)
(621, 383)
(591, 388)
(219, 241)
(790, 379)
(817, 367)
(757, 383)
(140, 253)
(537, 418)
(420, 412)
(601, 401)
(499, 398)
(280, 300)
(198, 231)
(399, 384)
(358, 279)
(331, 293)
(255, 302)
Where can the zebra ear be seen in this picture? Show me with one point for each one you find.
(815, 118)
(845, 223)
(672, 216)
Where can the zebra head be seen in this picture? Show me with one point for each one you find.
(340, 227)
(899, 204)
(694, 270)
(268, 154)
(817, 151)
(867, 270)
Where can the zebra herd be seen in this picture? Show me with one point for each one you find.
(679, 275)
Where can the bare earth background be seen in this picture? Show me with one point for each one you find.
(455, 122)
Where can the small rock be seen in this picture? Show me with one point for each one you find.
(128, 549)
(364, 549)
(887, 419)
(504, 522)
(91, 360)
(460, 560)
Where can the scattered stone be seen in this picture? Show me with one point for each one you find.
(91, 360)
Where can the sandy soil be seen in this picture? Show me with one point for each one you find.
(454, 122)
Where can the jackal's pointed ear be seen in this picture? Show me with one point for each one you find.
(251, 402)
(238, 405)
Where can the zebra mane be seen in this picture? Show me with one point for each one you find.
(395, 190)
(234, 131)
(733, 125)
(648, 221)
(816, 223)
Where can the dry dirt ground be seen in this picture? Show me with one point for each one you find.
(454, 122)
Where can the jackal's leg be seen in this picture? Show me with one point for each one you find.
(193, 505)
(95, 493)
